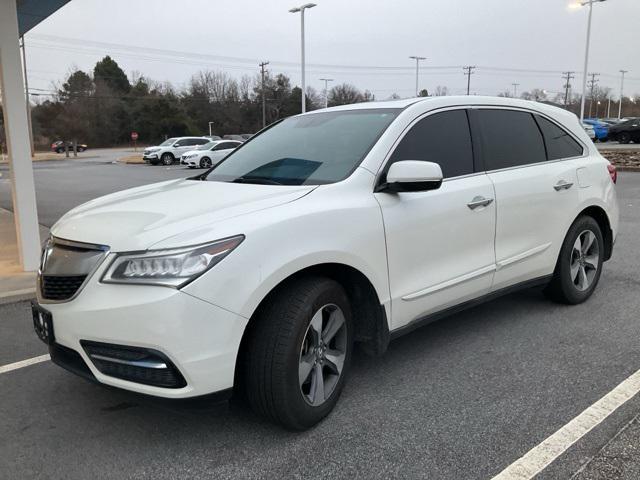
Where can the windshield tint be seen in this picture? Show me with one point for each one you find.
(167, 142)
(306, 150)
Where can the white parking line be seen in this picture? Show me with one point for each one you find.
(24, 363)
(539, 457)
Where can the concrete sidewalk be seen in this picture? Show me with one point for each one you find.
(14, 283)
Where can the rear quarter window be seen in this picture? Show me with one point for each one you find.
(560, 144)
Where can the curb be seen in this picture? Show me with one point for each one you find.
(14, 296)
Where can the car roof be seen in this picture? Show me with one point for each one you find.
(447, 101)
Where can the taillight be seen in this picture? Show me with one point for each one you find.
(613, 173)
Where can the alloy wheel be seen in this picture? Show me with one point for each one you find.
(585, 256)
(323, 354)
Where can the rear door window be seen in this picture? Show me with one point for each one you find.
(442, 138)
(510, 138)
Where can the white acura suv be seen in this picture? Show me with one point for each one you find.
(353, 224)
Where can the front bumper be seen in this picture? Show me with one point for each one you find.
(200, 339)
(189, 162)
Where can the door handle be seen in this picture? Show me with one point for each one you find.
(479, 202)
(563, 185)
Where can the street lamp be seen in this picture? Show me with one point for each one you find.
(326, 91)
(417, 59)
(301, 9)
(586, 52)
(210, 123)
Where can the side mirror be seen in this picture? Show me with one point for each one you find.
(412, 176)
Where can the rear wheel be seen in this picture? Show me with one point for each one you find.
(624, 137)
(579, 264)
(297, 356)
(205, 162)
(167, 159)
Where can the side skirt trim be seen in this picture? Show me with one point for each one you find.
(422, 321)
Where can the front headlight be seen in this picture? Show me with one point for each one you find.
(170, 268)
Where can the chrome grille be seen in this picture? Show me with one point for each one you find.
(65, 267)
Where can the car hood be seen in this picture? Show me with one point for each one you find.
(141, 217)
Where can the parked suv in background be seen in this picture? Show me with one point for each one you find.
(626, 131)
(171, 149)
(209, 154)
(353, 224)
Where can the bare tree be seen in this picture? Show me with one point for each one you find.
(345, 94)
(441, 91)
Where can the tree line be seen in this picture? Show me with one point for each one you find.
(103, 107)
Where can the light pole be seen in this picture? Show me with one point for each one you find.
(326, 91)
(301, 9)
(264, 101)
(621, 88)
(417, 59)
(515, 89)
(586, 50)
(210, 123)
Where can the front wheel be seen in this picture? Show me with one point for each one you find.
(298, 353)
(167, 159)
(579, 264)
(205, 162)
(624, 137)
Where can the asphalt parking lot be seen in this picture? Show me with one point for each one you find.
(462, 398)
(64, 184)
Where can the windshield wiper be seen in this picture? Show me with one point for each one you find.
(256, 180)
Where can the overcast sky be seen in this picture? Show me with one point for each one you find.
(527, 36)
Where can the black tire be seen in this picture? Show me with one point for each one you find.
(277, 345)
(205, 162)
(624, 137)
(573, 266)
(80, 149)
(167, 159)
(60, 150)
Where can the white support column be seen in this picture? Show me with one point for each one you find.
(16, 127)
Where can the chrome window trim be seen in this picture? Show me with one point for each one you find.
(69, 243)
(585, 148)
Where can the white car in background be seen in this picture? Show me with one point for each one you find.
(590, 130)
(172, 149)
(209, 154)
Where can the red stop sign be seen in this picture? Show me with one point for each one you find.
(134, 135)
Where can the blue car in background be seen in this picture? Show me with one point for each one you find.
(601, 128)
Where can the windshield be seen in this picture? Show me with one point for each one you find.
(312, 149)
(167, 142)
(206, 146)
